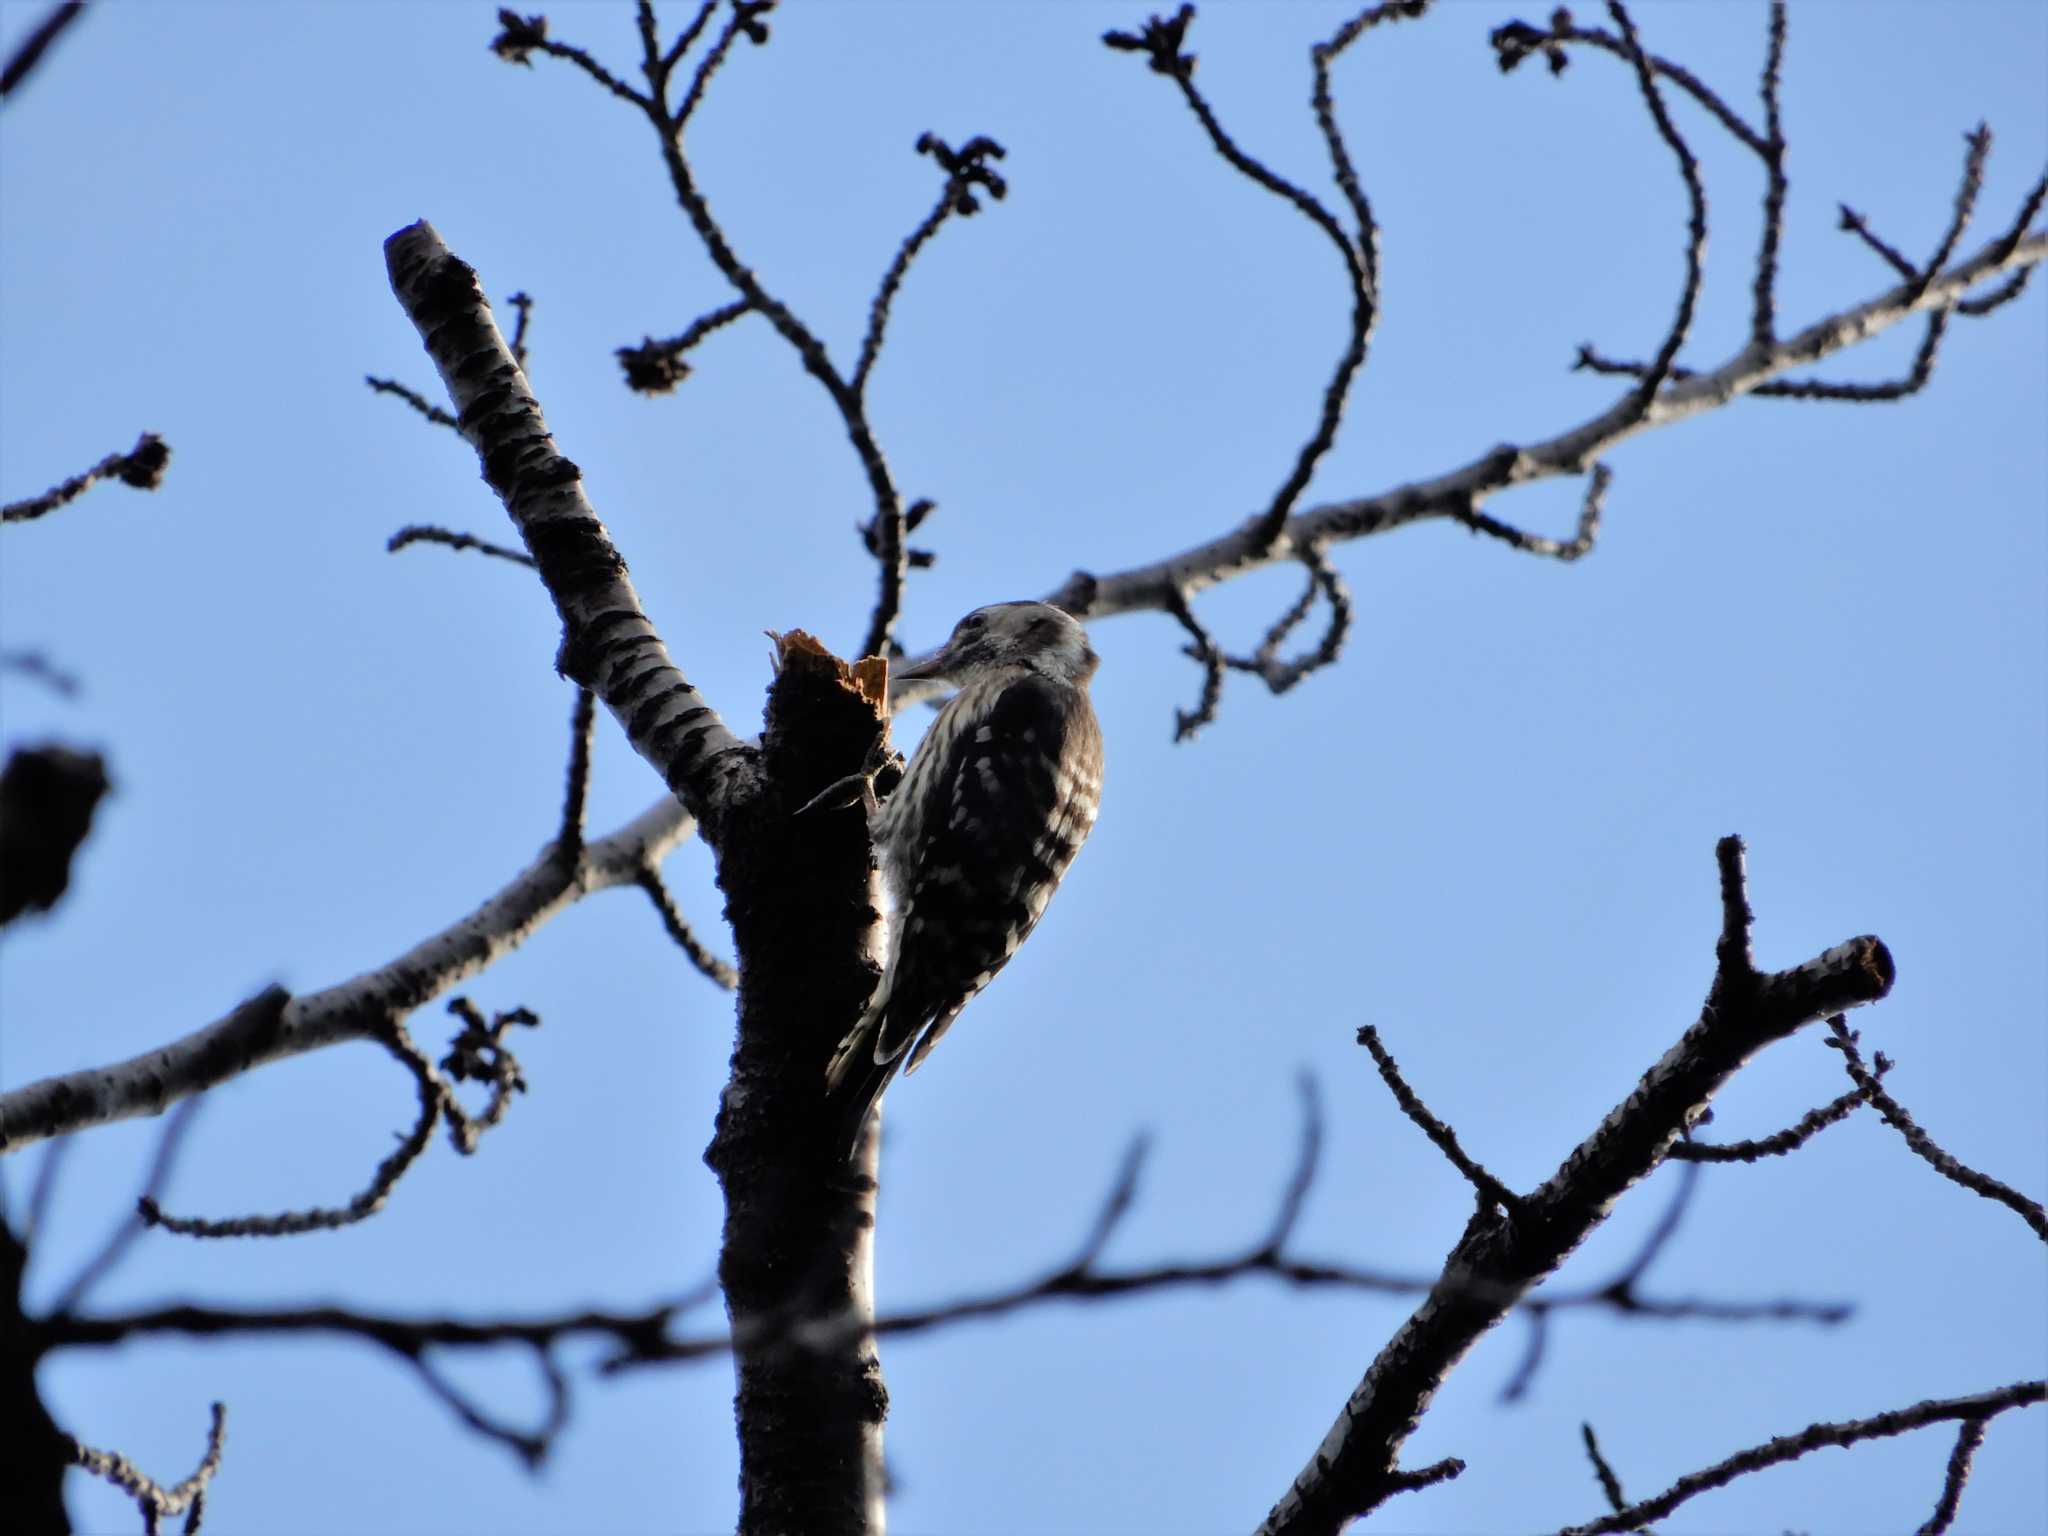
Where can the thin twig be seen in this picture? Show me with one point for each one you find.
(531, 1446)
(1978, 150)
(1981, 1407)
(575, 797)
(672, 919)
(523, 36)
(151, 1497)
(1855, 224)
(23, 61)
(745, 18)
(1791, 1138)
(1763, 325)
(1204, 649)
(524, 304)
(413, 398)
(656, 367)
(422, 533)
(1696, 197)
(1441, 1136)
(1609, 1483)
(966, 168)
(1844, 1039)
(1307, 1162)
(1323, 579)
(141, 467)
(1517, 41)
(1969, 1438)
(1123, 1196)
(1161, 40)
(34, 664)
(131, 1224)
(1584, 536)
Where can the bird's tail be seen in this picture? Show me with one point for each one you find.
(852, 1101)
(855, 1080)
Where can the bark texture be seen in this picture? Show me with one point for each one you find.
(797, 1255)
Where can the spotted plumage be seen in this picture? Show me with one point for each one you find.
(992, 808)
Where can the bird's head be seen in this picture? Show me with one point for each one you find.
(1034, 636)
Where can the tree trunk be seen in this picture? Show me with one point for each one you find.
(797, 1261)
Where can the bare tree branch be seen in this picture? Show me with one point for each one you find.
(131, 1225)
(275, 1025)
(1609, 1483)
(656, 367)
(23, 61)
(523, 37)
(608, 645)
(1978, 1409)
(1203, 649)
(151, 1497)
(1763, 324)
(477, 1054)
(1969, 1440)
(34, 664)
(1279, 675)
(966, 168)
(576, 794)
(1500, 1257)
(1445, 1140)
(1869, 1085)
(1790, 1139)
(422, 533)
(679, 930)
(1162, 40)
(141, 467)
(1455, 493)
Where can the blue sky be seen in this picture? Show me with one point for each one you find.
(1489, 832)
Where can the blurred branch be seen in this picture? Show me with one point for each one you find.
(22, 63)
(1970, 1410)
(34, 664)
(412, 1340)
(1085, 1278)
(141, 467)
(129, 1228)
(48, 796)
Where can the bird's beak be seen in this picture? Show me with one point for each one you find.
(923, 669)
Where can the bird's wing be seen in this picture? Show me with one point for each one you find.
(1011, 807)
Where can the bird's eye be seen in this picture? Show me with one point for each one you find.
(972, 622)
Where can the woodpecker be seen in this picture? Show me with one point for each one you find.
(991, 810)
